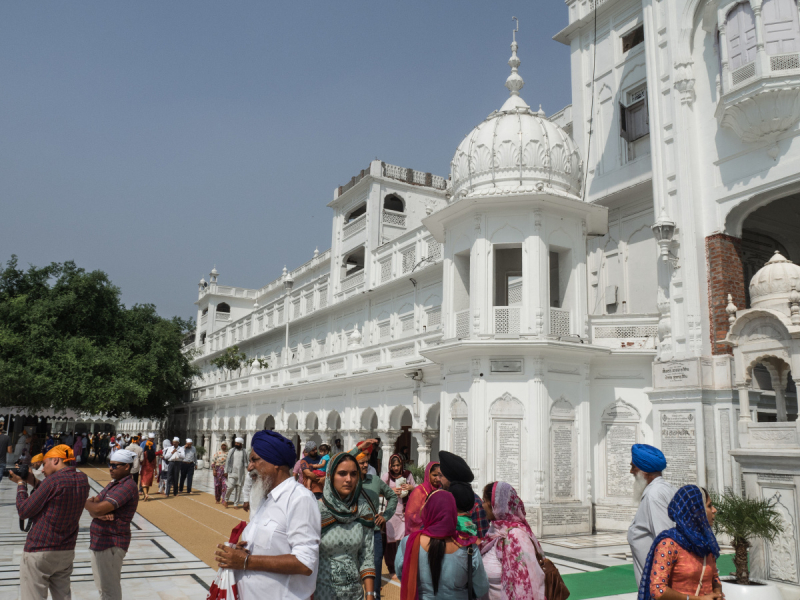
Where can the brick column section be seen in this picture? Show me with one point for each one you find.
(725, 276)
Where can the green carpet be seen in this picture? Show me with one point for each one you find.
(618, 580)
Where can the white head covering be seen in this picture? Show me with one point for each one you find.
(123, 456)
(238, 441)
(188, 440)
(151, 436)
(164, 444)
(176, 439)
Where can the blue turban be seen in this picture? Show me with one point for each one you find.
(648, 458)
(274, 448)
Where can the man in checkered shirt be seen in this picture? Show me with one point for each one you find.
(110, 535)
(54, 508)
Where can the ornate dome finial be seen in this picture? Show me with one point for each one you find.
(514, 82)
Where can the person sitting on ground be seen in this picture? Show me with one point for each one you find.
(322, 466)
(512, 556)
(455, 468)
(278, 554)
(653, 493)
(682, 562)
(419, 496)
(112, 511)
(430, 563)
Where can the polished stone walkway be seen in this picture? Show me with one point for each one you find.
(156, 566)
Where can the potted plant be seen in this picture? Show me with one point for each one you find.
(743, 520)
(201, 452)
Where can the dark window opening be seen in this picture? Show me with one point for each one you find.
(354, 214)
(202, 338)
(634, 118)
(223, 307)
(394, 202)
(555, 281)
(354, 262)
(633, 39)
(205, 311)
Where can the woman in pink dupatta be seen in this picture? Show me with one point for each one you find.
(419, 496)
(509, 548)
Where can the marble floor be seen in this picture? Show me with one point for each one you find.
(156, 566)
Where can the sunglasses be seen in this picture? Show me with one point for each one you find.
(113, 466)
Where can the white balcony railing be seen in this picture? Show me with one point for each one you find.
(204, 319)
(560, 321)
(348, 283)
(223, 316)
(392, 217)
(462, 324)
(506, 320)
(354, 226)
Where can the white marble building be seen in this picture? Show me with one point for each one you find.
(564, 293)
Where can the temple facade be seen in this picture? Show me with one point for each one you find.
(578, 283)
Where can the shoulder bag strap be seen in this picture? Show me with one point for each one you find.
(702, 573)
(470, 553)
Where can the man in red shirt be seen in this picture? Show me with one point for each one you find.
(110, 535)
(54, 508)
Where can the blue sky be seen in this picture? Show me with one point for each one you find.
(154, 140)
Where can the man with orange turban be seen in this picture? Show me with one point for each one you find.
(55, 509)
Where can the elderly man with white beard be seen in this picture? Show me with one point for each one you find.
(653, 494)
(279, 550)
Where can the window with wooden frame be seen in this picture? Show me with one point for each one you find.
(634, 119)
(633, 38)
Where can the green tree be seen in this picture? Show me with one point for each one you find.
(745, 519)
(68, 342)
(232, 360)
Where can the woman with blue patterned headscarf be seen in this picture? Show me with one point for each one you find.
(682, 563)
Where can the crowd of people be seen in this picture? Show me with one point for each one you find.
(330, 514)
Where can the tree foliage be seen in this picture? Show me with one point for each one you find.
(68, 342)
(745, 519)
(233, 360)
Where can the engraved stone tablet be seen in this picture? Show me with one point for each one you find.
(460, 437)
(619, 438)
(679, 445)
(507, 435)
(562, 459)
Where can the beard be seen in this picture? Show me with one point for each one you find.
(639, 483)
(262, 486)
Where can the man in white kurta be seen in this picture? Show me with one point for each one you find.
(651, 517)
(278, 554)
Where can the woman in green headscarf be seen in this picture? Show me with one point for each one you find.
(346, 552)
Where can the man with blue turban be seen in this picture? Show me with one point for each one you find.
(278, 553)
(653, 493)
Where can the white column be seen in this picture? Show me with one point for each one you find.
(744, 403)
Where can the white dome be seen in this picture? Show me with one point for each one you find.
(772, 284)
(516, 150)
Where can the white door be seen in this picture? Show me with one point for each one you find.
(781, 28)
(741, 32)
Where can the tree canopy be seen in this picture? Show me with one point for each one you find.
(68, 342)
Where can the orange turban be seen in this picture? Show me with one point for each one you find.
(61, 451)
(38, 458)
(362, 456)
